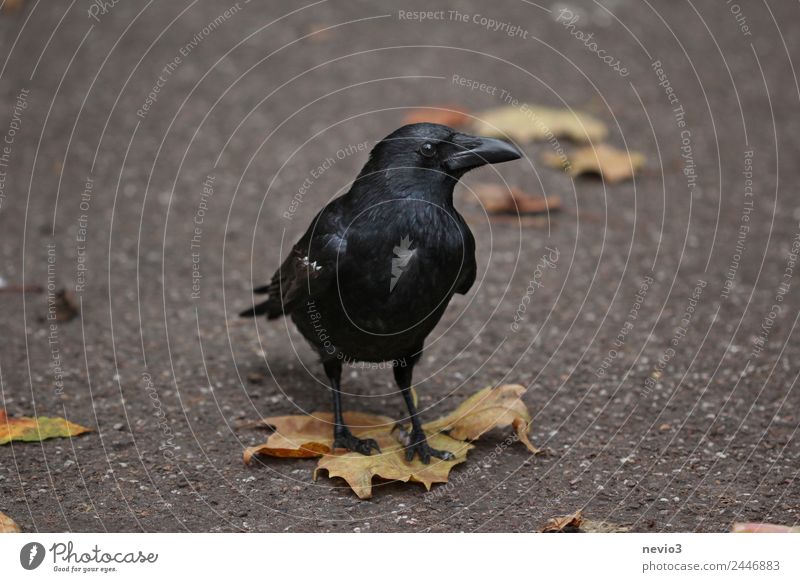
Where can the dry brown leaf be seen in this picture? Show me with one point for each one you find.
(564, 523)
(527, 204)
(312, 436)
(28, 429)
(576, 523)
(450, 115)
(526, 123)
(7, 525)
(498, 199)
(611, 164)
(255, 377)
(763, 528)
(66, 308)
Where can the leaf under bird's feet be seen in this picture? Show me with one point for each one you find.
(344, 439)
(419, 444)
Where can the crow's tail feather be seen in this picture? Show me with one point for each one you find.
(273, 311)
(255, 310)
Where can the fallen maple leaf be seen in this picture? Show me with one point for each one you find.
(498, 199)
(564, 523)
(611, 164)
(7, 525)
(36, 429)
(12, 5)
(487, 409)
(451, 115)
(526, 123)
(576, 523)
(312, 436)
(358, 470)
(763, 528)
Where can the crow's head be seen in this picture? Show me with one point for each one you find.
(429, 153)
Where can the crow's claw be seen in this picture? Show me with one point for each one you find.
(346, 440)
(419, 445)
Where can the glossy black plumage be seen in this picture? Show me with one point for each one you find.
(378, 266)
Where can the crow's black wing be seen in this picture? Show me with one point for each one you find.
(308, 270)
(469, 268)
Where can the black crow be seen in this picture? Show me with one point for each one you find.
(376, 269)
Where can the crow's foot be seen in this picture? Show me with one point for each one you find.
(344, 439)
(419, 444)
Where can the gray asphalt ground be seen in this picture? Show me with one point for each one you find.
(660, 350)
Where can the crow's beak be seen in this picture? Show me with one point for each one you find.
(473, 151)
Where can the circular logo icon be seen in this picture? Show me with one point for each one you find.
(31, 555)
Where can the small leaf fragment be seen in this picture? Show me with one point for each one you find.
(521, 428)
(576, 523)
(36, 429)
(763, 528)
(525, 123)
(591, 526)
(564, 523)
(606, 161)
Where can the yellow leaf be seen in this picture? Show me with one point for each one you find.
(611, 164)
(358, 470)
(489, 408)
(526, 123)
(36, 429)
(7, 524)
(312, 436)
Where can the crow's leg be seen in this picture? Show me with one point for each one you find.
(342, 437)
(403, 370)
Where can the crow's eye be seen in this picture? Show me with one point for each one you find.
(427, 149)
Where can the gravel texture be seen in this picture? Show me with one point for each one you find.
(660, 350)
